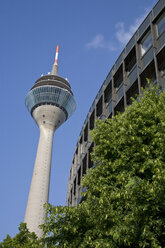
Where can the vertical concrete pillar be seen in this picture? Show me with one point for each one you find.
(48, 119)
(39, 190)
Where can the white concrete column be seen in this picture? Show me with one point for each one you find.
(48, 119)
(39, 190)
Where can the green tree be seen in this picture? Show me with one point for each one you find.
(125, 197)
(24, 239)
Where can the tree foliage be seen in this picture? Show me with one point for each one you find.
(125, 205)
(125, 197)
(24, 239)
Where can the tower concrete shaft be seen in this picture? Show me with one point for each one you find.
(50, 102)
(39, 189)
(48, 118)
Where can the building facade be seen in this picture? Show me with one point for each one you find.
(143, 57)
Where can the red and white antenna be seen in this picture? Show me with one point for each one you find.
(55, 65)
(56, 57)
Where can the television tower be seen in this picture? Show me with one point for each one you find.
(50, 102)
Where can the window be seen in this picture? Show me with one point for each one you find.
(90, 162)
(92, 120)
(130, 60)
(84, 165)
(71, 196)
(118, 77)
(81, 140)
(161, 24)
(146, 42)
(99, 107)
(79, 176)
(74, 188)
(108, 92)
(86, 133)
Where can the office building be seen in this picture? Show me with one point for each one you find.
(143, 57)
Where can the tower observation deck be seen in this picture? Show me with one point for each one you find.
(50, 102)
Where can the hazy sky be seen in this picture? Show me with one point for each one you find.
(91, 35)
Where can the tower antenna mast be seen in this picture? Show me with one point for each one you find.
(55, 65)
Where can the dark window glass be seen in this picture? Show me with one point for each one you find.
(161, 24)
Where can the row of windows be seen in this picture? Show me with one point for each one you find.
(47, 89)
(130, 61)
(161, 24)
(50, 94)
(146, 42)
(133, 90)
(86, 164)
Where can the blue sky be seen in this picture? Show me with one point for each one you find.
(91, 35)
